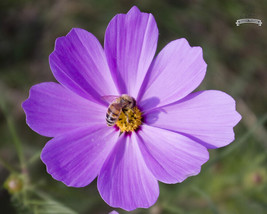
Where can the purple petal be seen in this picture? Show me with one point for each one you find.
(176, 72)
(52, 110)
(207, 117)
(130, 45)
(124, 180)
(77, 157)
(171, 157)
(113, 212)
(79, 63)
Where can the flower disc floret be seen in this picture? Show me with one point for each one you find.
(130, 120)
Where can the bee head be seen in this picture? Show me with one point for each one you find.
(127, 101)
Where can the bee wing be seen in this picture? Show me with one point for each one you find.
(109, 98)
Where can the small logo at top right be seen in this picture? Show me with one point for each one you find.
(248, 20)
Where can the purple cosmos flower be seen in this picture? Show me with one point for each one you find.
(177, 126)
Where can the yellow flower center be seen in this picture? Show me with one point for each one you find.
(130, 120)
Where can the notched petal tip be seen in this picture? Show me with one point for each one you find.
(130, 45)
(134, 9)
(28, 109)
(171, 157)
(78, 62)
(52, 110)
(238, 117)
(198, 50)
(179, 64)
(24, 106)
(132, 12)
(228, 99)
(58, 178)
(207, 117)
(124, 180)
(60, 40)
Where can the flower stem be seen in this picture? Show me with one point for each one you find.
(6, 165)
(34, 158)
(16, 140)
(17, 144)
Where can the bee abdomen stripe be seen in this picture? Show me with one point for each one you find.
(111, 113)
(110, 119)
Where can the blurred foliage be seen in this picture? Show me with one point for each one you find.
(235, 178)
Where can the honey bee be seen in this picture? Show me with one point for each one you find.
(119, 104)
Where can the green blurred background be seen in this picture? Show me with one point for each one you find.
(235, 178)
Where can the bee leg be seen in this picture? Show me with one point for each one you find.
(124, 111)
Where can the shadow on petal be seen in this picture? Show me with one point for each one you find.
(149, 103)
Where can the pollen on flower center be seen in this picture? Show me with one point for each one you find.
(130, 120)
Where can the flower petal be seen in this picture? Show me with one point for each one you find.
(124, 180)
(79, 63)
(130, 45)
(170, 156)
(177, 71)
(52, 110)
(77, 157)
(207, 117)
(114, 212)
